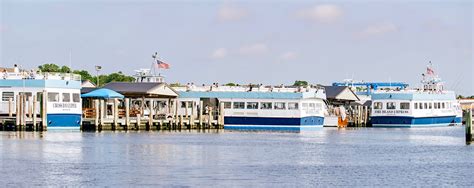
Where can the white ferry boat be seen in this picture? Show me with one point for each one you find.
(63, 106)
(261, 108)
(427, 106)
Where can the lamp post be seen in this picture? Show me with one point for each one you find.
(98, 68)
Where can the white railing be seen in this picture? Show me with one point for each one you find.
(244, 88)
(40, 76)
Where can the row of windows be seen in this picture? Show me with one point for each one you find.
(52, 96)
(406, 105)
(271, 105)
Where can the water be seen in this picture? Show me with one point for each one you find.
(331, 157)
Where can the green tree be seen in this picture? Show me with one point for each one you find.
(300, 83)
(84, 74)
(49, 68)
(231, 84)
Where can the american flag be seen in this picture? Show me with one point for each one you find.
(162, 65)
(429, 70)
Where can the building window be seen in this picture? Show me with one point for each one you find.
(279, 106)
(239, 105)
(183, 104)
(76, 97)
(66, 97)
(266, 105)
(292, 106)
(7, 95)
(227, 105)
(377, 105)
(53, 97)
(404, 105)
(252, 105)
(391, 105)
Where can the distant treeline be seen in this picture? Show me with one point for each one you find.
(465, 97)
(85, 75)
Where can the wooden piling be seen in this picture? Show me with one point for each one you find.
(44, 117)
(17, 111)
(97, 114)
(138, 121)
(30, 106)
(115, 113)
(221, 115)
(34, 108)
(209, 118)
(191, 118)
(200, 113)
(150, 116)
(468, 114)
(102, 114)
(127, 113)
(10, 107)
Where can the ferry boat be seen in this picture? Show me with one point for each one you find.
(428, 106)
(63, 105)
(261, 108)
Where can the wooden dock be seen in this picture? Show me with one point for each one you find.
(127, 119)
(23, 114)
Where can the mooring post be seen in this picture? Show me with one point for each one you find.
(176, 113)
(115, 113)
(469, 126)
(186, 110)
(181, 122)
(209, 118)
(44, 117)
(150, 115)
(102, 114)
(10, 107)
(200, 113)
(127, 113)
(30, 106)
(35, 106)
(191, 118)
(138, 121)
(17, 112)
(221, 115)
(97, 114)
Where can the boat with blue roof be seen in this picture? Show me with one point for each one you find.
(262, 107)
(62, 90)
(427, 106)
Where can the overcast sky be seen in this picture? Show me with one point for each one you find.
(248, 41)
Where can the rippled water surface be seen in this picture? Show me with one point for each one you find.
(330, 157)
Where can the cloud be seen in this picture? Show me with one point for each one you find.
(254, 49)
(219, 53)
(231, 13)
(288, 56)
(325, 13)
(379, 29)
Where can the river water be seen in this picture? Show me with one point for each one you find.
(330, 157)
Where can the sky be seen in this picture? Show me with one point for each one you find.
(268, 42)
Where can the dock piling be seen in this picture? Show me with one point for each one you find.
(469, 138)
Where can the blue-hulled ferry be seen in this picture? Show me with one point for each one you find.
(63, 105)
(428, 106)
(263, 108)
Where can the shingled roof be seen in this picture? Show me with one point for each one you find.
(136, 89)
(340, 93)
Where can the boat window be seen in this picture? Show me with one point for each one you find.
(279, 106)
(404, 105)
(377, 105)
(305, 106)
(312, 106)
(76, 97)
(7, 95)
(53, 97)
(27, 94)
(66, 97)
(426, 106)
(416, 105)
(227, 105)
(430, 105)
(292, 106)
(239, 105)
(252, 105)
(266, 105)
(444, 106)
(391, 105)
(439, 105)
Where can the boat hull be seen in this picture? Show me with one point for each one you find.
(406, 121)
(71, 121)
(274, 123)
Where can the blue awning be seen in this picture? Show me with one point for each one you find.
(103, 93)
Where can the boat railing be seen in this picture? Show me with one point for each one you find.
(214, 88)
(40, 76)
